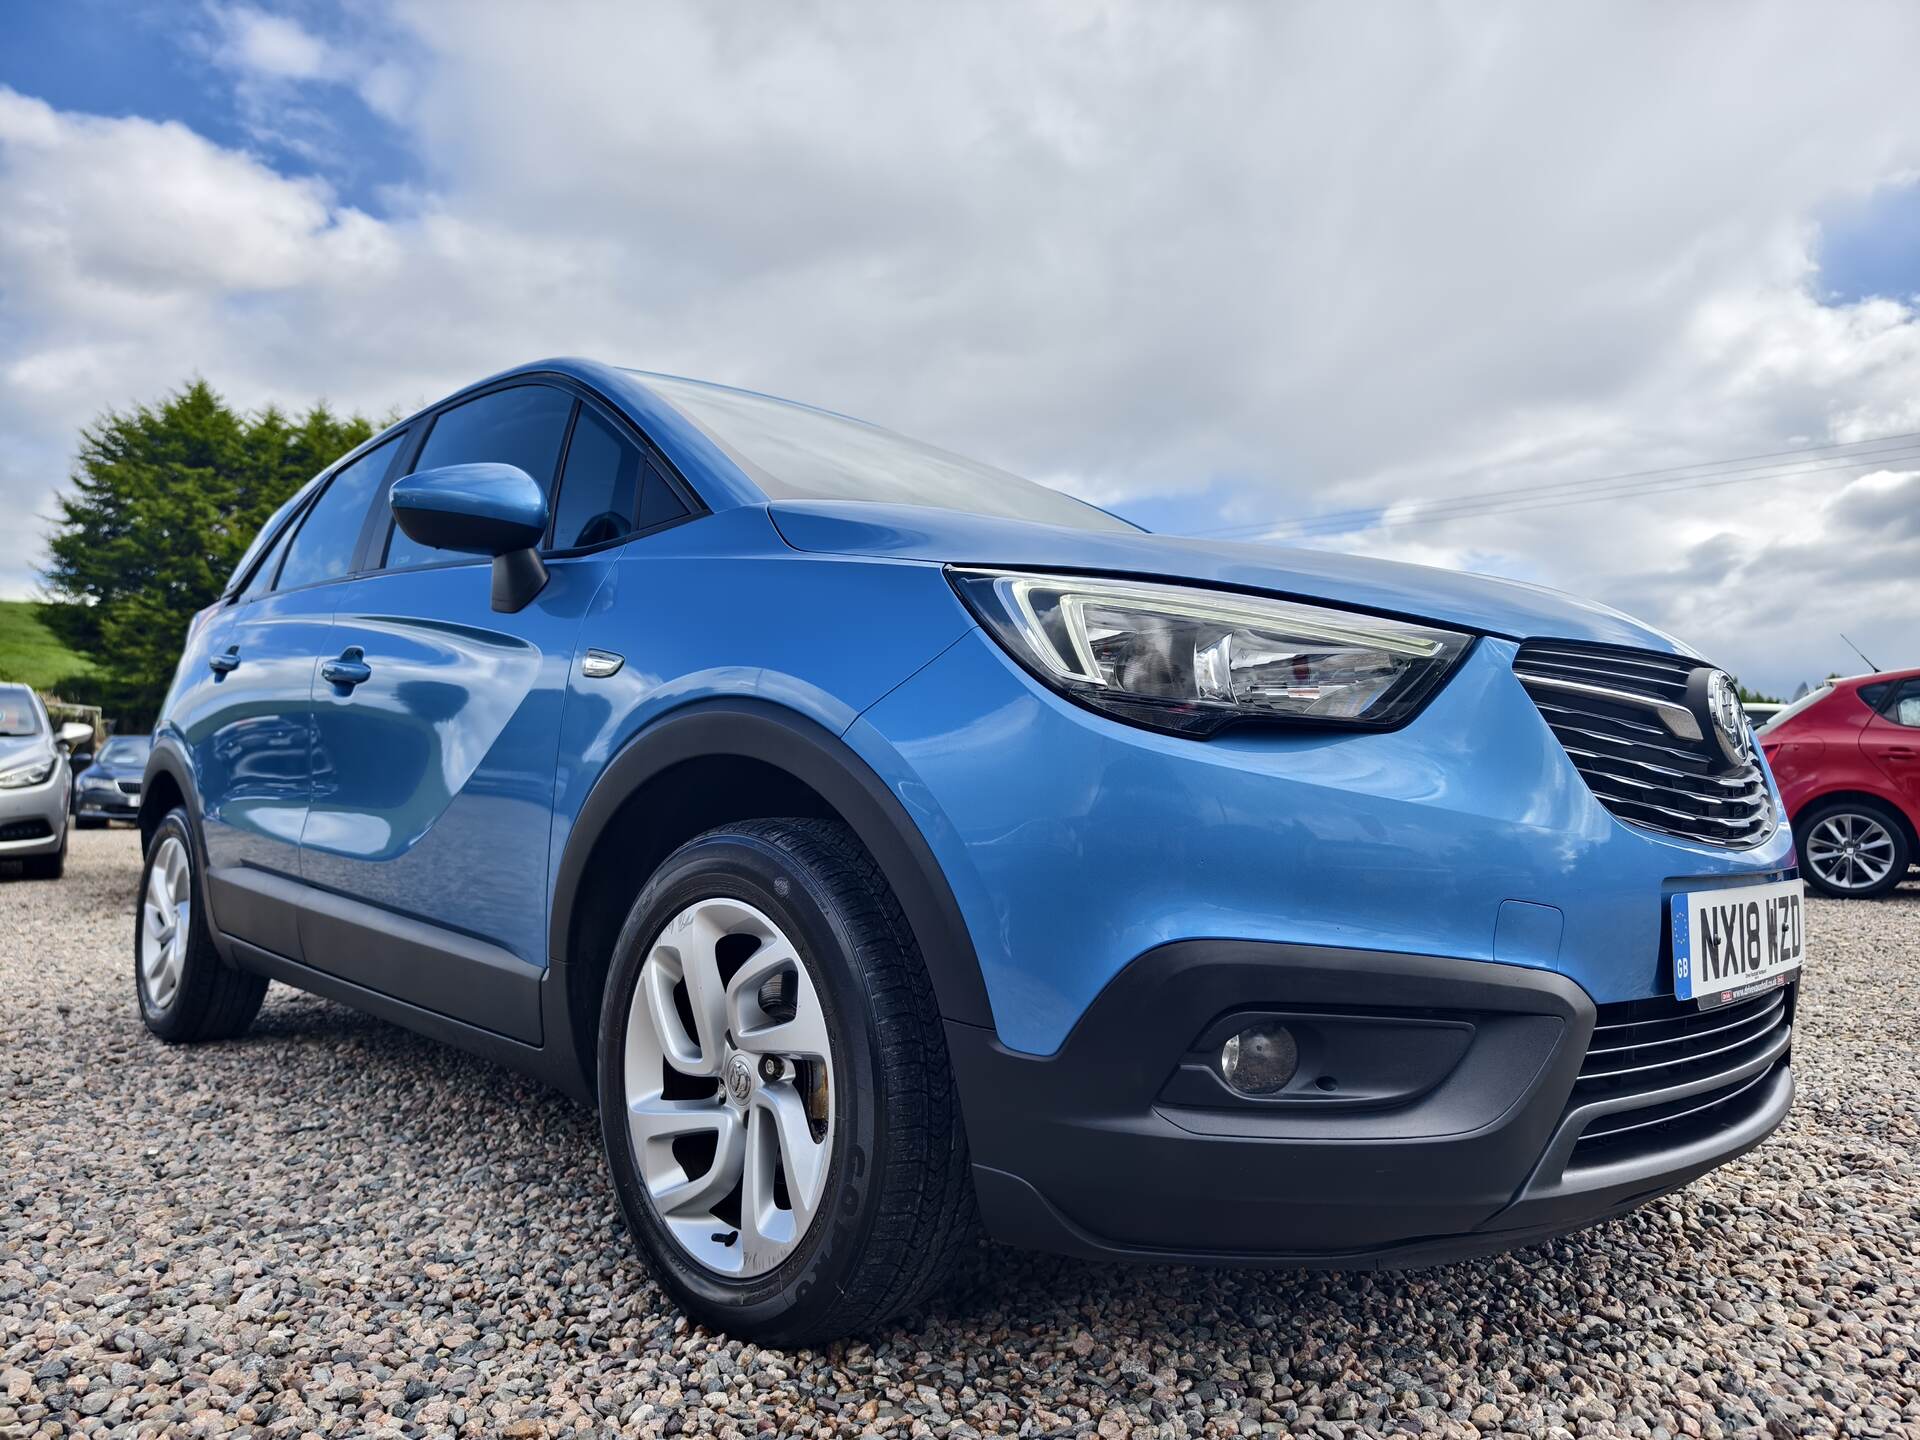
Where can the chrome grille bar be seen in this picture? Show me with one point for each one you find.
(1620, 716)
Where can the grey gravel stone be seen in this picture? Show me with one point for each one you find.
(334, 1228)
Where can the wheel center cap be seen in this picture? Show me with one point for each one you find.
(739, 1078)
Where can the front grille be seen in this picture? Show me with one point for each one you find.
(1643, 1048)
(1633, 762)
(131, 787)
(25, 830)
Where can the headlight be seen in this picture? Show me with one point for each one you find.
(1189, 661)
(20, 776)
(98, 782)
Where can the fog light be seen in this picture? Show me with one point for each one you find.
(1260, 1059)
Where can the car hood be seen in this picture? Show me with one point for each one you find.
(18, 749)
(1474, 602)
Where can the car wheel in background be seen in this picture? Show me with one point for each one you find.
(187, 992)
(775, 1096)
(1851, 849)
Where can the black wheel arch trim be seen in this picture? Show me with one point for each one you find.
(810, 753)
(168, 758)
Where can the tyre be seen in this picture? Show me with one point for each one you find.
(90, 822)
(46, 867)
(775, 1097)
(187, 992)
(1852, 849)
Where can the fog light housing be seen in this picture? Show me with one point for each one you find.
(1260, 1059)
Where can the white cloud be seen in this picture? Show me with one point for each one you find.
(1246, 255)
(274, 45)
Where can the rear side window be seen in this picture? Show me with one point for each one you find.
(262, 580)
(322, 548)
(267, 532)
(522, 426)
(1904, 708)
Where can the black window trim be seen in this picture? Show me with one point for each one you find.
(377, 534)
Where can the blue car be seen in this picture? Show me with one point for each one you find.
(894, 849)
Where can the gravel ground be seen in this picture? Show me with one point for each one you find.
(333, 1227)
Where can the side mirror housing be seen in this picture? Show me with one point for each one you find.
(485, 509)
(73, 733)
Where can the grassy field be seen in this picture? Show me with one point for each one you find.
(28, 651)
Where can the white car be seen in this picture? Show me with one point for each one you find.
(35, 784)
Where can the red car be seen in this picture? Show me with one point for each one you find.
(1847, 757)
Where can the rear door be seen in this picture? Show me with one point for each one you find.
(1891, 740)
(247, 712)
(434, 776)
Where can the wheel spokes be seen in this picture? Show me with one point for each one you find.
(778, 1134)
(658, 1122)
(803, 1033)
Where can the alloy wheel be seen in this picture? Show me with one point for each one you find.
(166, 912)
(1850, 851)
(728, 1077)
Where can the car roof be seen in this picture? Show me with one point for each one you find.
(713, 474)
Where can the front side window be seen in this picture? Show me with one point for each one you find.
(608, 486)
(794, 452)
(322, 548)
(524, 425)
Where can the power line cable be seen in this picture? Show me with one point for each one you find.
(1599, 488)
(1888, 443)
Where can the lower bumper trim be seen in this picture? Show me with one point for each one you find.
(1077, 1153)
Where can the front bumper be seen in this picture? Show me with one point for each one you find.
(1477, 1110)
(33, 820)
(98, 802)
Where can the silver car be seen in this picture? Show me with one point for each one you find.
(35, 783)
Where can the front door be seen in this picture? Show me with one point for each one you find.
(435, 755)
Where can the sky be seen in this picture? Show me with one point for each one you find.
(1303, 271)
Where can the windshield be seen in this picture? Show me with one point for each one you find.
(1780, 717)
(18, 714)
(794, 452)
(126, 750)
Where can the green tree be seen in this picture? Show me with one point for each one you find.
(163, 501)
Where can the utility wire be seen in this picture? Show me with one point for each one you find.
(1461, 509)
(1702, 474)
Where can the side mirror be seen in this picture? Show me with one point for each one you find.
(486, 509)
(73, 733)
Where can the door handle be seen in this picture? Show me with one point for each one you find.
(1900, 752)
(225, 663)
(348, 671)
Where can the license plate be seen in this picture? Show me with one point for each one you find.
(1733, 943)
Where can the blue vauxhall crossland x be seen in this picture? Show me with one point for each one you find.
(894, 849)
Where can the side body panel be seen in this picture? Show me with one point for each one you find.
(720, 608)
